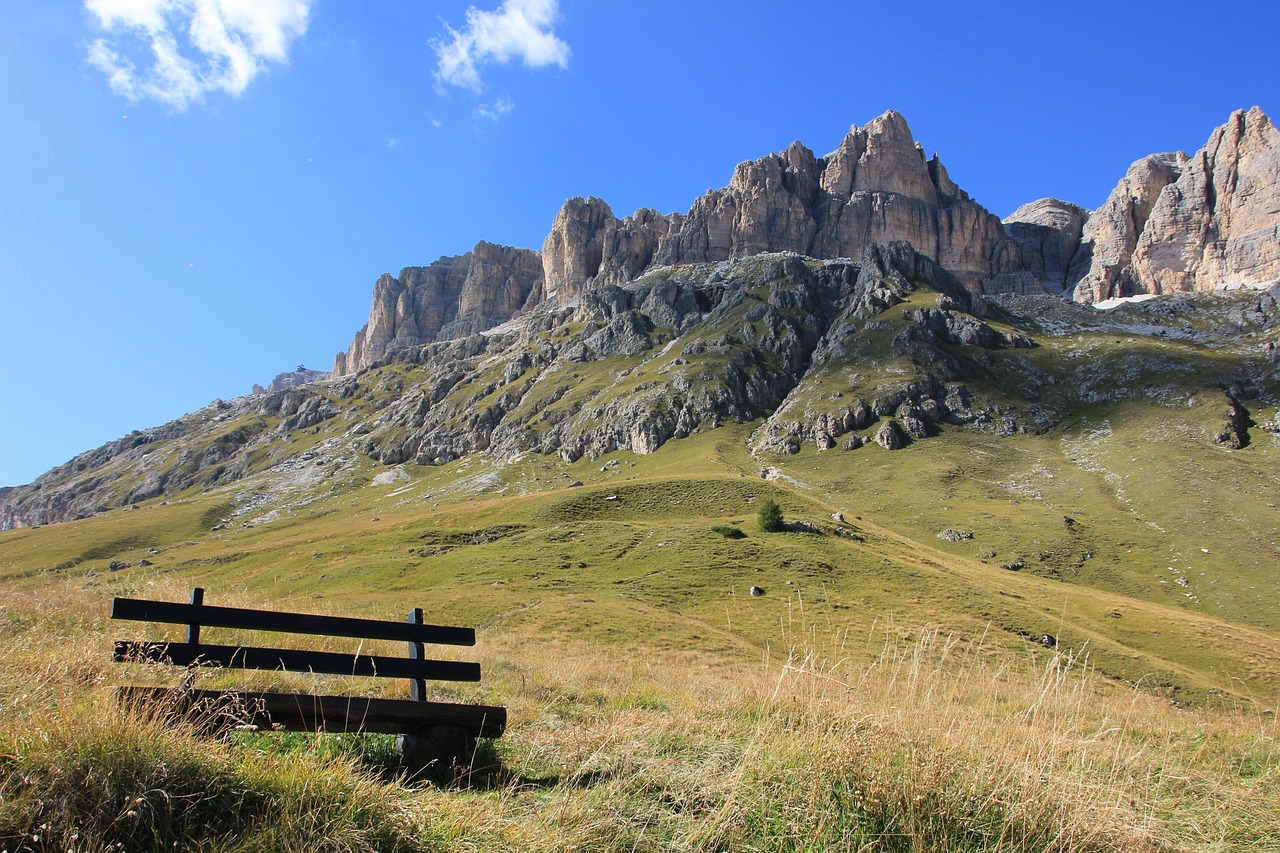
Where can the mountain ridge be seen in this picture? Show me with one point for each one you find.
(596, 344)
(878, 187)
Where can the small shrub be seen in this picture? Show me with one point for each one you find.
(728, 531)
(770, 518)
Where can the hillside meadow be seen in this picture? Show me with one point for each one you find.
(890, 690)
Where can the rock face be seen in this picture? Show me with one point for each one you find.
(1101, 267)
(292, 379)
(1173, 223)
(1048, 232)
(877, 187)
(453, 297)
(1178, 223)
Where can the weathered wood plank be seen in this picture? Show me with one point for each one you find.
(206, 615)
(301, 712)
(296, 660)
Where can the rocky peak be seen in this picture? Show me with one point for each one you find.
(1110, 237)
(1049, 232)
(1178, 223)
(1172, 223)
(795, 170)
(883, 157)
(876, 187)
(452, 297)
(573, 251)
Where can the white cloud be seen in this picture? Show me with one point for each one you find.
(519, 29)
(192, 47)
(496, 110)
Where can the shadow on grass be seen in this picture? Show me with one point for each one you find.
(487, 772)
(377, 756)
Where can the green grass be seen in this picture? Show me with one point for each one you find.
(921, 740)
(888, 691)
(632, 557)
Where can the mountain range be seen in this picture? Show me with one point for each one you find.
(851, 299)
(1174, 223)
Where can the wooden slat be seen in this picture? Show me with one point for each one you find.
(301, 712)
(207, 615)
(296, 660)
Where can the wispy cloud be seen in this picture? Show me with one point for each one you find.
(496, 110)
(519, 29)
(177, 51)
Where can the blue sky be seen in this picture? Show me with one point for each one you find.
(176, 230)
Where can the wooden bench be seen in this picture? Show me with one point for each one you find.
(430, 733)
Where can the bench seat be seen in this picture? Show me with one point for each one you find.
(332, 714)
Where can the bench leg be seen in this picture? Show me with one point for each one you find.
(436, 748)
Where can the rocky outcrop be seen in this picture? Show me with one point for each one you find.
(1173, 223)
(886, 351)
(1235, 428)
(1178, 223)
(890, 436)
(1101, 267)
(1048, 233)
(715, 344)
(918, 399)
(292, 379)
(877, 187)
(454, 297)
(756, 320)
(207, 448)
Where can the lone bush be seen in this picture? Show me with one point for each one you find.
(728, 531)
(770, 517)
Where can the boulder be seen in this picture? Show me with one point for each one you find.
(890, 436)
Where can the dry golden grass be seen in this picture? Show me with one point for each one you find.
(931, 746)
(934, 744)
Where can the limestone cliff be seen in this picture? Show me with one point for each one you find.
(1101, 267)
(1049, 232)
(876, 187)
(452, 297)
(1178, 223)
(1172, 223)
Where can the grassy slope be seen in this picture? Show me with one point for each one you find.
(886, 693)
(644, 570)
(600, 586)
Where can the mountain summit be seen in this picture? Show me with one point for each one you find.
(1173, 223)
(860, 298)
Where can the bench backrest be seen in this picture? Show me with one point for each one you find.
(196, 614)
